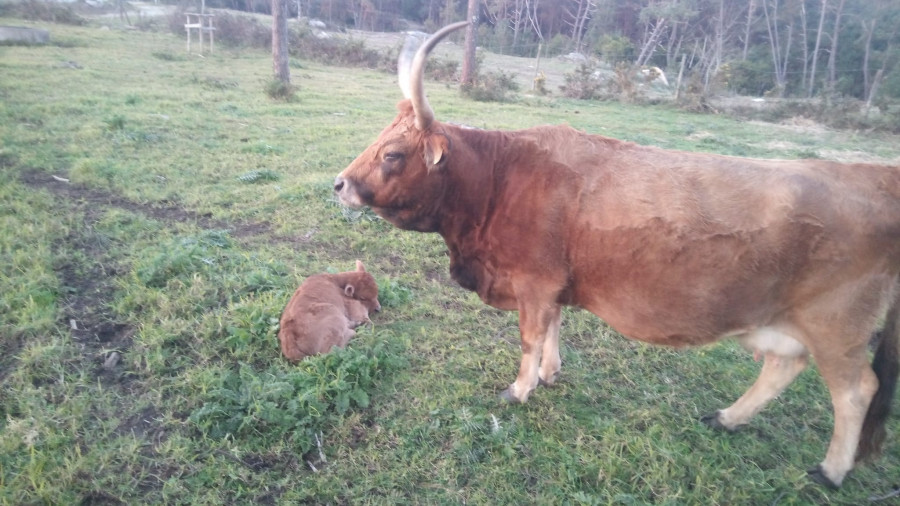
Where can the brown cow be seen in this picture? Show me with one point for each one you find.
(324, 311)
(792, 258)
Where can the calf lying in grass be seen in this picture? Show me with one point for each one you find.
(324, 311)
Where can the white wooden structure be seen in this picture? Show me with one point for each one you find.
(203, 23)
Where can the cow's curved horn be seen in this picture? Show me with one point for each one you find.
(411, 73)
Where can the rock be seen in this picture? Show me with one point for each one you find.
(24, 35)
(111, 360)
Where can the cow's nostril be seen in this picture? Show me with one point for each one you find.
(338, 184)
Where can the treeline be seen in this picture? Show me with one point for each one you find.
(793, 48)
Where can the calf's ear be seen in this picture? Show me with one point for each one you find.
(437, 149)
(349, 290)
(360, 267)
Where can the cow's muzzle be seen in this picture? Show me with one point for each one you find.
(344, 192)
(339, 184)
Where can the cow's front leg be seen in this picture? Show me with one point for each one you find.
(539, 326)
(550, 361)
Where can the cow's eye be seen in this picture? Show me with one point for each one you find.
(392, 163)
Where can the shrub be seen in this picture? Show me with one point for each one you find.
(622, 85)
(36, 10)
(333, 51)
(748, 77)
(442, 69)
(491, 87)
(615, 48)
(582, 83)
(540, 84)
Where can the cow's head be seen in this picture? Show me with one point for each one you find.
(400, 175)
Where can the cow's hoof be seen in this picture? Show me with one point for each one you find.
(548, 383)
(508, 397)
(817, 475)
(712, 420)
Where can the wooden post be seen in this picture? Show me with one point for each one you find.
(680, 74)
(187, 26)
(537, 67)
(212, 31)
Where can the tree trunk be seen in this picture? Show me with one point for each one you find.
(832, 58)
(650, 44)
(750, 9)
(468, 67)
(804, 43)
(280, 41)
(775, 44)
(868, 30)
(531, 14)
(815, 54)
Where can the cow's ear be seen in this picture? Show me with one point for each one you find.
(349, 290)
(437, 150)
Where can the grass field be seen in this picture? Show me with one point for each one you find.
(139, 298)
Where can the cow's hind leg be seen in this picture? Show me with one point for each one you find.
(852, 384)
(777, 373)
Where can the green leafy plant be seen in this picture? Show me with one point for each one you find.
(296, 403)
(391, 293)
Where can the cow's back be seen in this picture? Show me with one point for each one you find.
(314, 319)
(730, 242)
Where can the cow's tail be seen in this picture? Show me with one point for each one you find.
(886, 365)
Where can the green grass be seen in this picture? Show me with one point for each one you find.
(197, 204)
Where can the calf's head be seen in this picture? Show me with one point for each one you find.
(400, 175)
(361, 286)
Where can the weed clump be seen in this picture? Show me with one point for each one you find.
(259, 176)
(115, 123)
(276, 89)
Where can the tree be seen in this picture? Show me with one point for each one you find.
(468, 66)
(583, 9)
(280, 41)
(780, 51)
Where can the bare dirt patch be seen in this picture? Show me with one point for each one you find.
(87, 274)
(95, 201)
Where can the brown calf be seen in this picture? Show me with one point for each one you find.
(324, 310)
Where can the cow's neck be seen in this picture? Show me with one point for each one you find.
(467, 205)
